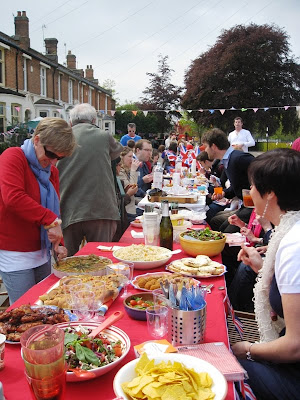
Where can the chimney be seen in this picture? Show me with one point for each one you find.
(22, 29)
(89, 72)
(51, 49)
(71, 60)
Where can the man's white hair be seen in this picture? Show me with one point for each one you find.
(83, 113)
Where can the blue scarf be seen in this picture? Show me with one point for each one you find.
(49, 198)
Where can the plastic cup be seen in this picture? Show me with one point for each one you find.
(2, 348)
(45, 371)
(159, 298)
(247, 199)
(151, 229)
(83, 304)
(218, 190)
(157, 321)
(48, 389)
(43, 344)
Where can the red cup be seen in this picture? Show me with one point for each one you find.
(48, 388)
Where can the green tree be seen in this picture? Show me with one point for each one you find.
(161, 94)
(249, 66)
(110, 84)
(145, 124)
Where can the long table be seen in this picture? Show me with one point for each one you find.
(13, 379)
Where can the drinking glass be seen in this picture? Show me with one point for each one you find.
(157, 321)
(247, 199)
(125, 269)
(47, 388)
(99, 292)
(83, 304)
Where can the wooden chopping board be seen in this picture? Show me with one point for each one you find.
(191, 199)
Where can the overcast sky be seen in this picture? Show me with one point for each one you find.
(122, 39)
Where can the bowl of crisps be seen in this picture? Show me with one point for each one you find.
(203, 241)
(199, 375)
(143, 256)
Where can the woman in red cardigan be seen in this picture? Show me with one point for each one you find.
(29, 206)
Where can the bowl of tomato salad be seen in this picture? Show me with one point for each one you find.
(96, 356)
(136, 305)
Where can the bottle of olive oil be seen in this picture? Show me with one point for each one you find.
(166, 228)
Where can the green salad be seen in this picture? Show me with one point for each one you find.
(204, 235)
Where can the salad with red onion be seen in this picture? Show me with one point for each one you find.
(86, 353)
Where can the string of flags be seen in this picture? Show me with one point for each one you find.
(182, 111)
(203, 110)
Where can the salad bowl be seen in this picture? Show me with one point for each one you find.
(112, 334)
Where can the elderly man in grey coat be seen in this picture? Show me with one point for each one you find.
(88, 200)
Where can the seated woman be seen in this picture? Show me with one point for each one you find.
(257, 232)
(273, 365)
(127, 171)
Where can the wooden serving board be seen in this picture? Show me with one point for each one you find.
(192, 199)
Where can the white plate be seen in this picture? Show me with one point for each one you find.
(146, 264)
(197, 276)
(134, 282)
(113, 334)
(136, 224)
(127, 373)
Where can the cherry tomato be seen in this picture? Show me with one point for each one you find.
(140, 302)
(144, 305)
(118, 350)
(87, 343)
(133, 302)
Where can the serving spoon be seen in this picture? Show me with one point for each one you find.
(109, 321)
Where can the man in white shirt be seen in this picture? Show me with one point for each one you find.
(240, 139)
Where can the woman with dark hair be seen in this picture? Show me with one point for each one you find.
(273, 365)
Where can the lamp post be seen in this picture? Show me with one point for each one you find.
(267, 136)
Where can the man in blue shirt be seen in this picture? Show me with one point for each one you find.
(131, 128)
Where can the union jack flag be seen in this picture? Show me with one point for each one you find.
(237, 323)
(171, 156)
(183, 153)
(246, 391)
(197, 151)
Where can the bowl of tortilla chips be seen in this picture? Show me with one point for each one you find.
(171, 376)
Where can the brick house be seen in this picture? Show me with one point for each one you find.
(35, 85)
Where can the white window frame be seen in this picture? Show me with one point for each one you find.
(70, 91)
(15, 114)
(2, 62)
(59, 86)
(82, 88)
(90, 96)
(25, 74)
(3, 115)
(46, 112)
(43, 81)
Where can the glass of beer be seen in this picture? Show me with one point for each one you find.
(247, 199)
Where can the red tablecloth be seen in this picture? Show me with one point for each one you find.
(13, 379)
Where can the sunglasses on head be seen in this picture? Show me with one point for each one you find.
(52, 155)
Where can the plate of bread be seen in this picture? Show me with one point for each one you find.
(198, 267)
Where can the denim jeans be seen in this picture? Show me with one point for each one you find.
(18, 282)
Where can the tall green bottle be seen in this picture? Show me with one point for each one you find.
(166, 227)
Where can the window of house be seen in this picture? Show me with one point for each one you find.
(2, 69)
(43, 114)
(81, 93)
(25, 74)
(59, 87)
(55, 114)
(2, 117)
(43, 79)
(90, 96)
(106, 126)
(15, 114)
(70, 91)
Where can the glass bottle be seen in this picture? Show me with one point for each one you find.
(158, 176)
(166, 227)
